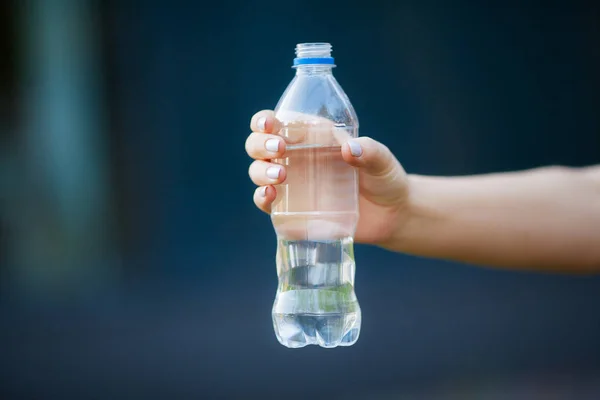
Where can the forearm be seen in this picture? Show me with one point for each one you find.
(546, 218)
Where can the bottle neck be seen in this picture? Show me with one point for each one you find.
(313, 59)
(314, 69)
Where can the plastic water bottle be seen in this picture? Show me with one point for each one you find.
(316, 209)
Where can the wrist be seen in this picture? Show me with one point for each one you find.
(415, 217)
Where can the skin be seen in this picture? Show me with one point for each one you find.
(545, 219)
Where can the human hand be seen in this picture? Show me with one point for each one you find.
(383, 183)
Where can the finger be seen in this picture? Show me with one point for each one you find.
(266, 173)
(265, 122)
(369, 155)
(263, 146)
(264, 197)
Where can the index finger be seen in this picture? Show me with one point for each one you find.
(265, 122)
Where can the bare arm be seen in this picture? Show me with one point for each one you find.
(547, 218)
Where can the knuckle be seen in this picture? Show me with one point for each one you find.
(261, 113)
(368, 141)
(384, 151)
(252, 169)
(252, 145)
(248, 145)
(379, 149)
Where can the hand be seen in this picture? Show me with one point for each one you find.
(383, 184)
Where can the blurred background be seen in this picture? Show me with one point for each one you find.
(133, 263)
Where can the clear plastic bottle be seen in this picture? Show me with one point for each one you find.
(316, 209)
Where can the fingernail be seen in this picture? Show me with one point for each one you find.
(355, 148)
(273, 172)
(272, 145)
(261, 123)
(262, 192)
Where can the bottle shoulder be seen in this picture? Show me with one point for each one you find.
(316, 96)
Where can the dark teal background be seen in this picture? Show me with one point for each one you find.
(451, 89)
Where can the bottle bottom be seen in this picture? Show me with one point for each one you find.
(315, 302)
(325, 330)
(327, 317)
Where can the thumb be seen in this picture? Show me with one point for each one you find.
(372, 157)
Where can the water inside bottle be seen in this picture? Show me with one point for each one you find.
(315, 215)
(315, 302)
